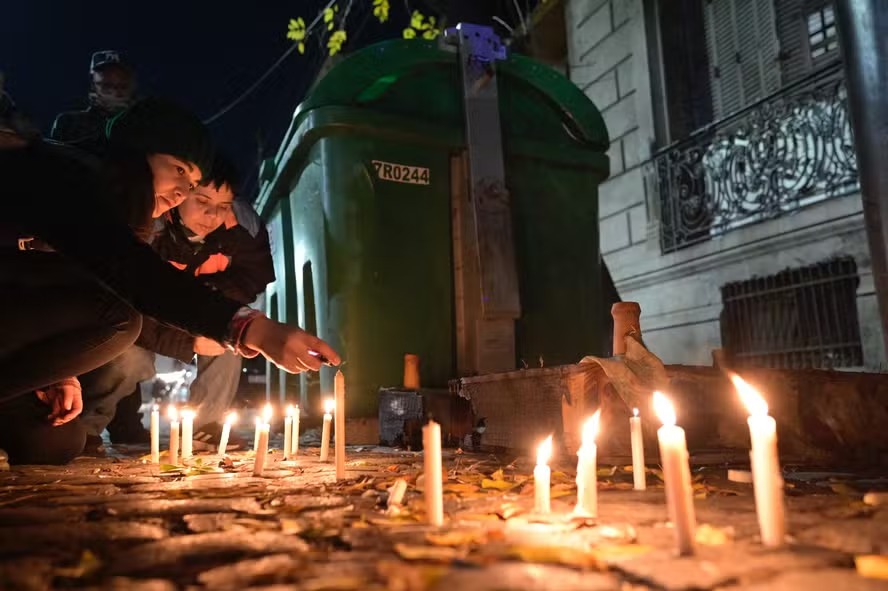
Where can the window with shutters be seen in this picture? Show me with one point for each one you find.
(744, 52)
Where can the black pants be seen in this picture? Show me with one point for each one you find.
(57, 322)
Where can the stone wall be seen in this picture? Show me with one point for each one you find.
(608, 58)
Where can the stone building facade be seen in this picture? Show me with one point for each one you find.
(733, 213)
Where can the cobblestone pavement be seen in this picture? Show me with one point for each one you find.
(121, 523)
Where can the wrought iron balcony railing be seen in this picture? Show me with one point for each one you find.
(786, 151)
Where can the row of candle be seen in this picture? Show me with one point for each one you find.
(674, 459)
(263, 428)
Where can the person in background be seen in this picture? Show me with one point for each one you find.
(112, 88)
(223, 242)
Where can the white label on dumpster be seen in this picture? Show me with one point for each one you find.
(401, 173)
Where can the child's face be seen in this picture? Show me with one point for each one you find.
(173, 181)
(206, 208)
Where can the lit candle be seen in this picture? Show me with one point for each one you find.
(288, 433)
(261, 450)
(226, 432)
(767, 481)
(677, 475)
(329, 404)
(587, 469)
(174, 435)
(339, 395)
(542, 477)
(155, 435)
(638, 474)
(187, 432)
(294, 448)
(258, 421)
(434, 485)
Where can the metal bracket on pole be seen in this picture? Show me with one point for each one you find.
(479, 49)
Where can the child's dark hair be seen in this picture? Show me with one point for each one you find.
(223, 172)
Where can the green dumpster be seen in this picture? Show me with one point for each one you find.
(360, 203)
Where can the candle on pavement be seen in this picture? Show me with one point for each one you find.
(294, 447)
(288, 431)
(542, 477)
(433, 476)
(226, 432)
(155, 434)
(677, 475)
(339, 451)
(329, 405)
(638, 474)
(261, 450)
(587, 469)
(767, 481)
(187, 433)
(174, 434)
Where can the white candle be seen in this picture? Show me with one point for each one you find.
(288, 432)
(329, 404)
(638, 474)
(226, 432)
(677, 474)
(767, 481)
(294, 448)
(542, 477)
(261, 450)
(587, 469)
(339, 395)
(433, 477)
(258, 423)
(187, 433)
(174, 435)
(155, 435)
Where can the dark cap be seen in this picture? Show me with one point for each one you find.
(155, 126)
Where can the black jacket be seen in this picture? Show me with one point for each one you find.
(51, 193)
(235, 260)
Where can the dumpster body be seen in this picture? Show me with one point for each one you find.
(363, 204)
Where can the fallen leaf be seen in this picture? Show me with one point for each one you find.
(430, 553)
(393, 468)
(565, 555)
(606, 472)
(709, 535)
(497, 484)
(872, 566)
(618, 552)
(562, 490)
(498, 475)
(460, 487)
(89, 563)
(463, 537)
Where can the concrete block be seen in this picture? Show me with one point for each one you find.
(626, 76)
(602, 92)
(636, 148)
(588, 32)
(577, 12)
(621, 117)
(620, 193)
(615, 153)
(605, 56)
(638, 224)
(624, 10)
(614, 233)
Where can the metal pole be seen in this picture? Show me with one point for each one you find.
(863, 31)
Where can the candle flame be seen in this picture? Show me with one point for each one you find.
(590, 428)
(544, 452)
(172, 413)
(289, 410)
(634, 412)
(156, 407)
(664, 409)
(258, 420)
(187, 413)
(231, 418)
(751, 398)
(267, 412)
(329, 405)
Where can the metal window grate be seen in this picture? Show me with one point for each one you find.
(798, 318)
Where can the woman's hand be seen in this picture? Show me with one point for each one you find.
(64, 398)
(288, 347)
